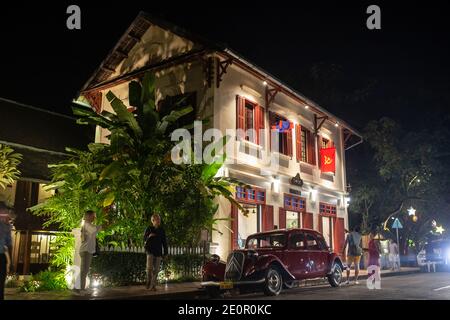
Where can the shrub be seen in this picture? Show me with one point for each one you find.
(128, 268)
(45, 281)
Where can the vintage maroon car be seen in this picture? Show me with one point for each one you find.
(273, 260)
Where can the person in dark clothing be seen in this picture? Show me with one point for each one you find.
(5, 246)
(156, 248)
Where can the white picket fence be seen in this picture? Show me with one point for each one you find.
(173, 250)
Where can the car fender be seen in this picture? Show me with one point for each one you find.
(266, 260)
(336, 259)
(213, 271)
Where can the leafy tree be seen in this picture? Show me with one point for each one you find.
(406, 170)
(133, 176)
(9, 161)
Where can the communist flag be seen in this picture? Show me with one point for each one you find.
(327, 160)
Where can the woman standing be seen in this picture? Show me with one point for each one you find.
(87, 248)
(374, 250)
(156, 248)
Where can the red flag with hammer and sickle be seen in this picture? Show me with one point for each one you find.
(327, 160)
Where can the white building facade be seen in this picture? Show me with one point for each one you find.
(235, 94)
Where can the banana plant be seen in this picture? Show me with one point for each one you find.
(9, 161)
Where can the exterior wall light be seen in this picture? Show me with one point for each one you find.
(276, 185)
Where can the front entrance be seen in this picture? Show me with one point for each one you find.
(327, 230)
(258, 219)
(249, 224)
(293, 213)
(293, 220)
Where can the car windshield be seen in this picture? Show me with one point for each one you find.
(275, 240)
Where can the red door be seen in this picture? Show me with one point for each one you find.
(318, 256)
(297, 255)
(282, 218)
(307, 220)
(339, 235)
(267, 218)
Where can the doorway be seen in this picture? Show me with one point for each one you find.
(293, 220)
(250, 224)
(327, 230)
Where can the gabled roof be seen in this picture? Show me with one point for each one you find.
(144, 20)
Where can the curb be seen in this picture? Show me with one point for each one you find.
(184, 295)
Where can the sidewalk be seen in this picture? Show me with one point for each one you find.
(187, 290)
(184, 290)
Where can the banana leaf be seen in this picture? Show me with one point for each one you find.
(123, 114)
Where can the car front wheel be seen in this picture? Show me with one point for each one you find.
(273, 282)
(335, 277)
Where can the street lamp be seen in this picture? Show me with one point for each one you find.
(411, 211)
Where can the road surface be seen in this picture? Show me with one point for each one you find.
(413, 286)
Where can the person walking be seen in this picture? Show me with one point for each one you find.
(156, 248)
(89, 233)
(373, 268)
(374, 250)
(393, 255)
(353, 241)
(5, 246)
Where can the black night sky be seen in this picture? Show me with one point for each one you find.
(401, 71)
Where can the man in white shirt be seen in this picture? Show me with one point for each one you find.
(87, 247)
(393, 255)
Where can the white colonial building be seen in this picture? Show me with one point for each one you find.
(235, 93)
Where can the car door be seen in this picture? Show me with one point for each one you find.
(297, 255)
(318, 255)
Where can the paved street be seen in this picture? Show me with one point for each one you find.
(414, 286)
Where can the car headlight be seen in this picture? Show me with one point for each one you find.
(215, 258)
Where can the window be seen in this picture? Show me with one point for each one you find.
(326, 143)
(312, 242)
(297, 241)
(276, 240)
(250, 120)
(294, 203)
(327, 209)
(248, 117)
(304, 145)
(284, 138)
(171, 103)
(255, 195)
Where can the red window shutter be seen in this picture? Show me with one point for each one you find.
(282, 218)
(289, 142)
(298, 142)
(267, 220)
(339, 235)
(311, 148)
(240, 115)
(307, 220)
(320, 224)
(259, 124)
(319, 146)
(234, 227)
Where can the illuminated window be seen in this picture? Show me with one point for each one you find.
(327, 209)
(294, 203)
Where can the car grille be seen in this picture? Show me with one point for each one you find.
(235, 265)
